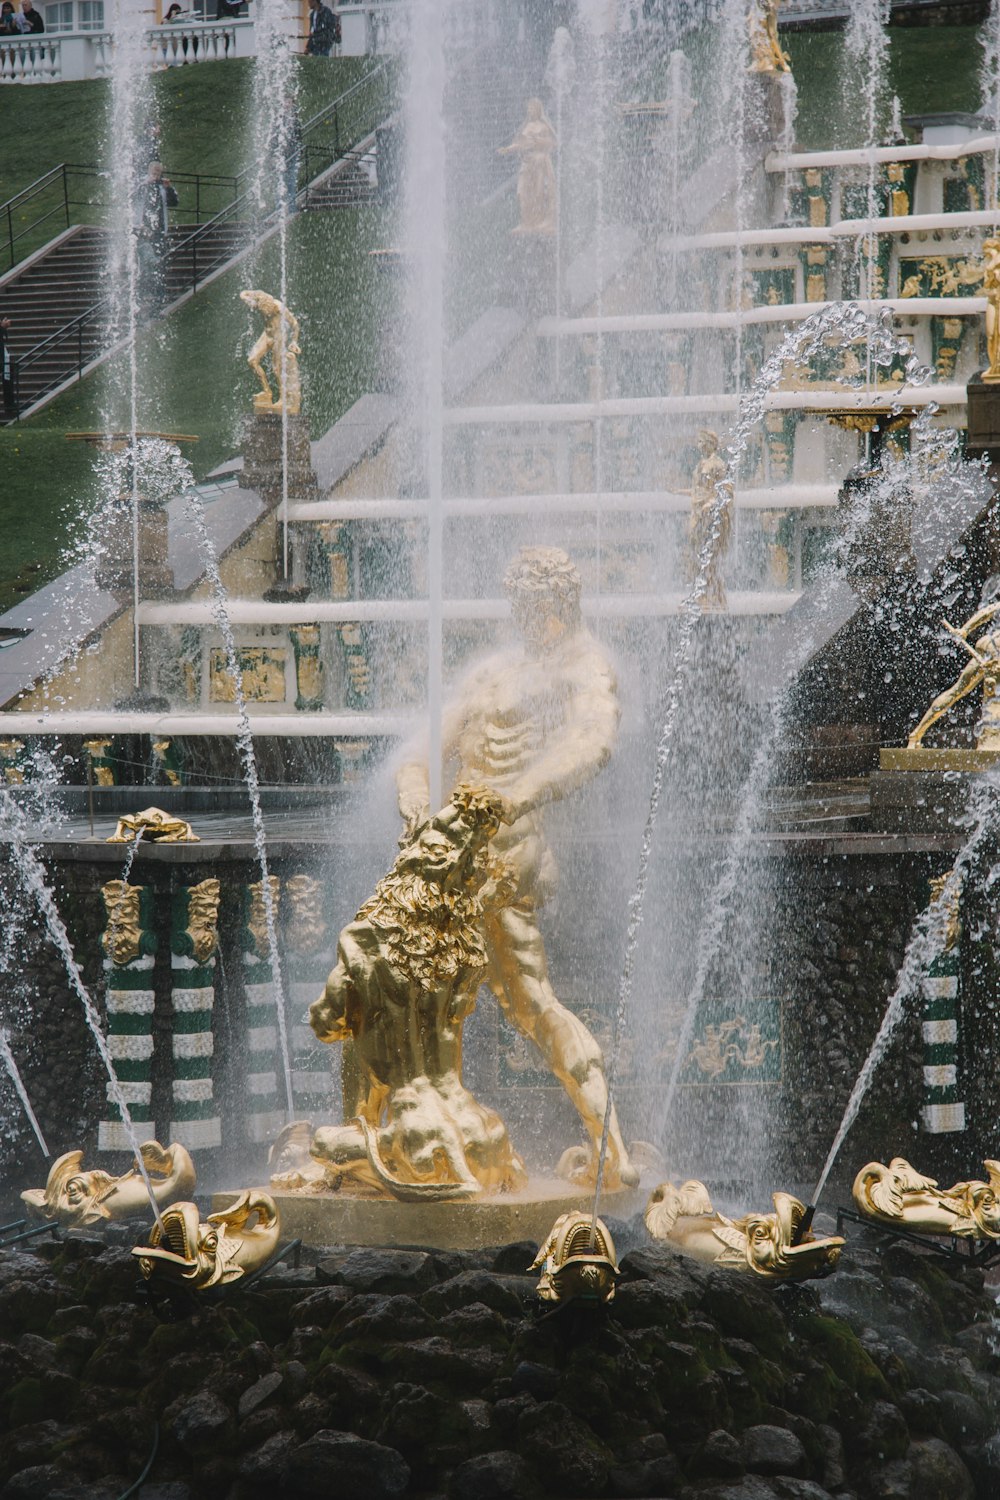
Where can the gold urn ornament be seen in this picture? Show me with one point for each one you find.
(769, 1245)
(577, 1261)
(184, 1251)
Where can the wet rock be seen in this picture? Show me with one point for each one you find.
(259, 1394)
(884, 1436)
(26, 1306)
(385, 1318)
(721, 1454)
(938, 1472)
(963, 1420)
(493, 1476)
(514, 1260)
(266, 1464)
(312, 1414)
(922, 1412)
(173, 1489)
(564, 1453)
(534, 1380)
(644, 1477)
(40, 1353)
(65, 1318)
(431, 1360)
(202, 1424)
(321, 1307)
(476, 1286)
(260, 1426)
(387, 1271)
(772, 1450)
(338, 1463)
(892, 1481)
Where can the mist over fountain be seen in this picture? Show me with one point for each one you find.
(623, 590)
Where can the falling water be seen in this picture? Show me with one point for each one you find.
(32, 875)
(22, 1093)
(867, 50)
(989, 92)
(244, 742)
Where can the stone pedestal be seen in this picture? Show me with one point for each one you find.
(983, 419)
(114, 570)
(262, 458)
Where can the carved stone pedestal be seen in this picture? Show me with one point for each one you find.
(114, 571)
(262, 458)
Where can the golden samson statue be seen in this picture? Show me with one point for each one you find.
(534, 724)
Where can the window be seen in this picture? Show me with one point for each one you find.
(59, 17)
(91, 15)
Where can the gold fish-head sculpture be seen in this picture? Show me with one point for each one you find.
(577, 1260)
(79, 1198)
(185, 1251)
(770, 1245)
(898, 1195)
(154, 825)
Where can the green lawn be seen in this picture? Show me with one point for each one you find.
(195, 380)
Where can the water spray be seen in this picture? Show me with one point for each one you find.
(9, 1063)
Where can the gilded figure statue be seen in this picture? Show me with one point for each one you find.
(280, 340)
(766, 55)
(535, 144)
(898, 1195)
(981, 670)
(77, 1198)
(184, 1251)
(535, 723)
(408, 970)
(991, 290)
(766, 1245)
(577, 1260)
(153, 825)
(711, 519)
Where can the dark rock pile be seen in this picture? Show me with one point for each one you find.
(375, 1374)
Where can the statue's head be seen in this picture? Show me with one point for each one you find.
(535, 109)
(447, 849)
(708, 442)
(71, 1195)
(543, 586)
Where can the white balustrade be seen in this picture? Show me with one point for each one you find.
(37, 59)
(76, 55)
(198, 41)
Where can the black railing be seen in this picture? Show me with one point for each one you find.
(330, 135)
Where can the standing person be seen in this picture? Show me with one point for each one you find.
(29, 19)
(154, 199)
(9, 405)
(323, 29)
(8, 23)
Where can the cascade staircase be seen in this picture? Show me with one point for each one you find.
(348, 188)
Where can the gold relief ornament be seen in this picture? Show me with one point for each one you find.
(991, 288)
(764, 1245)
(577, 1261)
(898, 1195)
(122, 938)
(152, 825)
(10, 751)
(185, 1251)
(77, 1198)
(307, 924)
(257, 916)
(981, 670)
(203, 919)
(408, 972)
(280, 340)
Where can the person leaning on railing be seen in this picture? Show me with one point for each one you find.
(29, 20)
(7, 26)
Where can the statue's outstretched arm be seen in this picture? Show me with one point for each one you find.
(970, 677)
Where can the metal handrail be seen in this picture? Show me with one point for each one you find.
(74, 329)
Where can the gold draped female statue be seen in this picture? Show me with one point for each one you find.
(991, 290)
(535, 143)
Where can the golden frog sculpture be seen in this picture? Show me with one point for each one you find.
(154, 825)
(765, 1244)
(898, 1195)
(78, 1198)
(224, 1248)
(577, 1260)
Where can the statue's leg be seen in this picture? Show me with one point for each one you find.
(970, 677)
(520, 979)
(255, 360)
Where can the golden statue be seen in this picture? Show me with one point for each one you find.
(991, 290)
(981, 670)
(766, 55)
(765, 1244)
(153, 825)
(408, 970)
(535, 723)
(228, 1246)
(535, 143)
(577, 1260)
(898, 1195)
(77, 1198)
(711, 519)
(280, 340)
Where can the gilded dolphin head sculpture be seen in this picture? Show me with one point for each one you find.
(897, 1194)
(222, 1249)
(78, 1198)
(766, 1244)
(577, 1260)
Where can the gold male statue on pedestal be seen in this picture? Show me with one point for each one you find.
(981, 670)
(534, 724)
(280, 340)
(766, 55)
(709, 526)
